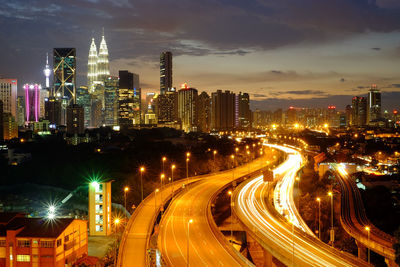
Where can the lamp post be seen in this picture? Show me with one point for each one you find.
(188, 240)
(230, 204)
(187, 170)
(162, 178)
(155, 199)
(172, 178)
(163, 161)
(116, 222)
(332, 237)
(215, 164)
(369, 254)
(319, 217)
(126, 189)
(233, 167)
(141, 180)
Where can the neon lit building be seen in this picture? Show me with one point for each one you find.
(32, 102)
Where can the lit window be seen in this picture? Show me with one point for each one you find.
(24, 258)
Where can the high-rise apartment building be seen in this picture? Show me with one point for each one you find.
(32, 102)
(374, 104)
(83, 99)
(222, 111)
(168, 107)
(187, 108)
(64, 70)
(165, 72)
(111, 85)
(129, 94)
(75, 119)
(243, 111)
(53, 111)
(10, 126)
(8, 94)
(100, 208)
(204, 112)
(21, 111)
(359, 111)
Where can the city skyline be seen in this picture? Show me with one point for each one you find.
(343, 57)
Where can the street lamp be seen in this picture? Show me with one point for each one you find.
(214, 153)
(187, 170)
(162, 178)
(116, 222)
(233, 166)
(332, 233)
(126, 189)
(155, 199)
(369, 254)
(172, 178)
(188, 240)
(231, 204)
(141, 180)
(319, 217)
(163, 161)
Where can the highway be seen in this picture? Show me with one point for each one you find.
(207, 245)
(290, 243)
(354, 220)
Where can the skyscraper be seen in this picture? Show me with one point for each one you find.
(129, 97)
(204, 112)
(165, 72)
(374, 104)
(92, 67)
(53, 111)
(75, 119)
(222, 111)
(32, 102)
(21, 111)
(168, 107)
(83, 99)
(10, 126)
(359, 109)
(103, 69)
(187, 108)
(243, 112)
(8, 94)
(111, 85)
(64, 69)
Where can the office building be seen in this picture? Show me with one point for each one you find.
(129, 98)
(75, 119)
(111, 85)
(41, 242)
(100, 209)
(187, 108)
(10, 126)
(167, 107)
(21, 111)
(96, 118)
(103, 68)
(359, 111)
(204, 112)
(43, 95)
(8, 94)
(165, 72)
(222, 111)
(83, 99)
(64, 70)
(32, 102)
(53, 111)
(374, 104)
(243, 112)
(92, 67)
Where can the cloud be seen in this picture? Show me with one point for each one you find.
(305, 92)
(342, 80)
(376, 48)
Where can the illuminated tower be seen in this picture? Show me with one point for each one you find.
(103, 69)
(47, 71)
(165, 72)
(92, 67)
(64, 69)
(100, 208)
(187, 108)
(32, 104)
(374, 104)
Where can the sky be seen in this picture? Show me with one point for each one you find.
(306, 53)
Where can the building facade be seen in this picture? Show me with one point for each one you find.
(187, 108)
(75, 119)
(21, 111)
(8, 94)
(222, 111)
(10, 126)
(129, 99)
(83, 99)
(374, 104)
(37, 242)
(167, 107)
(111, 85)
(204, 112)
(64, 71)
(243, 111)
(165, 72)
(100, 209)
(32, 102)
(359, 111)
(53, 111)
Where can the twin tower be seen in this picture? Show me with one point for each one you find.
(98, 66)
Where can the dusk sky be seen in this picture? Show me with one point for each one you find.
(281, 52)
